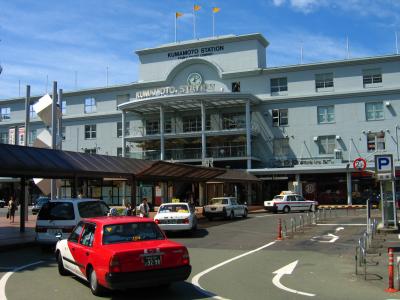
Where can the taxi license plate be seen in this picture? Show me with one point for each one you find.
(53, 230)
(150, 261)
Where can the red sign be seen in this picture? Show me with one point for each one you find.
(360, 164)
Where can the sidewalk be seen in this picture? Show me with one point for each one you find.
(12, 238)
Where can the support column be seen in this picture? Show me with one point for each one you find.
(162, 137)
(203, 132)
(248, 134)
(249, 192)
(123, 133)
(54, 134)
(22, 202)
(202, 192)
(26, 142)
(299, 189)
(59, 131)
(349, 190)
(132, 182)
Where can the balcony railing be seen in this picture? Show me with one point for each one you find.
(192, 153)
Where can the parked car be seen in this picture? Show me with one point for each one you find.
(122, 252)
(38, 204)
(2, 203)
(286, 202)
(61, 216)
(176, 217)
(226, 207)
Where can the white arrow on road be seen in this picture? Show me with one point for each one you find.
(333, 239)
(287, 270)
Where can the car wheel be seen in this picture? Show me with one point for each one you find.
(61, 270)
(286, 209)
(245, 213)
(95, 287)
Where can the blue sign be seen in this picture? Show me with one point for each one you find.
(384, 164)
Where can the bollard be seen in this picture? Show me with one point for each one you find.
(279, 238)
(391, 288)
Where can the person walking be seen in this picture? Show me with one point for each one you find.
(12, 206)
(144, 208)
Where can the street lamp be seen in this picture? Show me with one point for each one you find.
(397, 142)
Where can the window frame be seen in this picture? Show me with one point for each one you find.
(119, 129)
(5, 113)
(280, 147)
(325, 114)
(324, 143)
(90, 133)
(374, 111)
(278, 115)
(90, 107)
(375, 142)
(372, 77)
(324, 82)
(279, 86)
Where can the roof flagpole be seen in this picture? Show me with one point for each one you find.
(347, 47)
(397, 44)
(214, 11)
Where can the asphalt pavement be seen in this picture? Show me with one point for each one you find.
(238, 259)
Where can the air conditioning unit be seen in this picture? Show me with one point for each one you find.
(338, 154)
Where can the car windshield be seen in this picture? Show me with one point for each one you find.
(90, 209)
(178, 208)
(278, 197)
(57, 211)
(131, 232)
(219, 201)
(42, 201)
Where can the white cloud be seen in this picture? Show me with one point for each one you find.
(278, 2)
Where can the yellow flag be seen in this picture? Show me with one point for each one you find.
(178, 14)
(215, 9)
(196, 7)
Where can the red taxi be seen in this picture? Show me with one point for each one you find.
(120, 253)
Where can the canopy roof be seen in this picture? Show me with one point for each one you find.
(19, 161)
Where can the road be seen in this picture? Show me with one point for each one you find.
(238, 259)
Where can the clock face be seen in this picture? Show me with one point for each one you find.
(194, 79)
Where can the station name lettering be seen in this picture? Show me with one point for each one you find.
(195, 52)
(171, 90)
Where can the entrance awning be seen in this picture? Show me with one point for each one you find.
(19, 161)
(236, 176)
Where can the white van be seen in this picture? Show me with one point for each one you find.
(61, 216)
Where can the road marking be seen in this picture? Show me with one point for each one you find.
(355, 224)
(196, 278)
(287, 270)
(328, 238)
(3, 280)
(339, 228)
(264, 216)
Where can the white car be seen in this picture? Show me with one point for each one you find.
(289, 202)
(61, 216)
(225, 207)
(176, 217)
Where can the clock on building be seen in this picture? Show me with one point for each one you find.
(194, 79)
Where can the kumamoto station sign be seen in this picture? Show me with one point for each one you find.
(171, 90)
(195, 52)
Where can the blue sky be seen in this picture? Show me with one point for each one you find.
(57, 39)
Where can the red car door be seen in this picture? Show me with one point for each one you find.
(84, 248)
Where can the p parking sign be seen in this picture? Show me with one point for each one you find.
(384, 166)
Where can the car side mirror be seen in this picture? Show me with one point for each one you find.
(59, 236)
(245, 203)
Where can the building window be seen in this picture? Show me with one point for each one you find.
(326, 114)
(236, 86)
(5, 113)
(63, 132)
(375, 141)
(372, 78)
(32, 112)
(152, 127)
(119, 151)
(3, 137)
(64, 107)
(122, 99)
(193, 123)
(233, 121)
(168, 126)
(119, 129)
(32, 136)
(374, 111)
(90, 131)
(281, 147)
(90, 105)
(324, 82)
(279, 86)
(280, 117)
(90, 150)
(326, 144)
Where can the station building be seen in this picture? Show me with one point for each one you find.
(216, 102)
